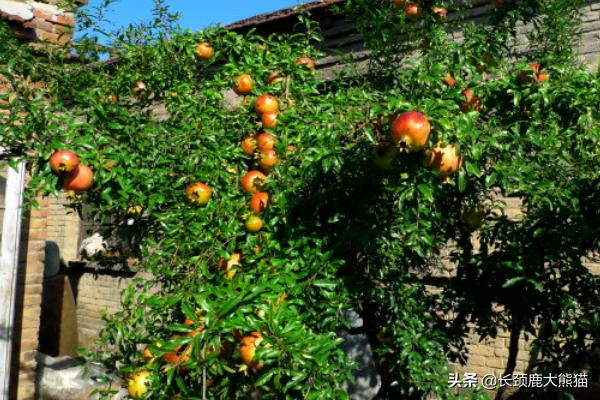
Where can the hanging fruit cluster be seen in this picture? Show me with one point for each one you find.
(75, 176)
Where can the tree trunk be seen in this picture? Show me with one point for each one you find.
(513, 351)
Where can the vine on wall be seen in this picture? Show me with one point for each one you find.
(248, 291)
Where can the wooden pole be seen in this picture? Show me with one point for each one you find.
(9, 261)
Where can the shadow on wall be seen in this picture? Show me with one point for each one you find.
(357, 347)
(58, 321)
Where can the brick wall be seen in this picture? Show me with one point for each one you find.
(42, 20)
(63, 227)
(28, 300)
(96, 294)
(32, 21)
(490, 356)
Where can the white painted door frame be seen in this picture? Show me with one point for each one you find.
(9, 262)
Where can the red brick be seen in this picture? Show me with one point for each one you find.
(35, 255)
(32, 300)
(29, 345)
(37, 223)
(30, 334)
(495, 362)
(66, 19)
(37, 235)
(52, 37)
(31, 313)
(43, 15)
(35, 274)
(36, 245)
(33, 289)
(39, 24)
(62, 29)
(477, 360)
(27, 357)
(39, 212)
(25, 387)
(30, 324)
(27, 370)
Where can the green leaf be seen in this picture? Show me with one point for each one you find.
(462, 181)
(512, 281)
(426, 191)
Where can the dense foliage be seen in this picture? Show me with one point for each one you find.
(347, 227)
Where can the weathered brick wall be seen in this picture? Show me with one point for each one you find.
(31, 21)
(63, 228)
(28, 300)
(96, 294)
(589, 48)
(43, 20)
(490, 356)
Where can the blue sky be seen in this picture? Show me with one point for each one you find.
(195, 14)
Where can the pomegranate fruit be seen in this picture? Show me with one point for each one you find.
(139, 87)
(243, 84)
(441, 12)
(534, 74)
(306, 61)
(248, 346)
(413, 11)
(471, 102)
(198, 193)
(384, 155)
(195, 332)
(63, 162)
(229, 266)
(265, 141)
(266, 103)
(204, 50)
(473, 217)
(249, 145)
(80, 179)
(444, 159)
(410, 130)
(253, 181)
(450, 81)
(276, 76)
(267, 159)
(148, 355)
(269, 120)
(259, 202)
(137, 384)
(253, 224)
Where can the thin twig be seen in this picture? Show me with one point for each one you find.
(204, 383)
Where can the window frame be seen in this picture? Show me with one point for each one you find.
(9, 264)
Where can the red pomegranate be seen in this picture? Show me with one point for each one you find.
(410, 130)
(80, 180)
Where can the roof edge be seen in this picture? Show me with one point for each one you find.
(281, 14)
